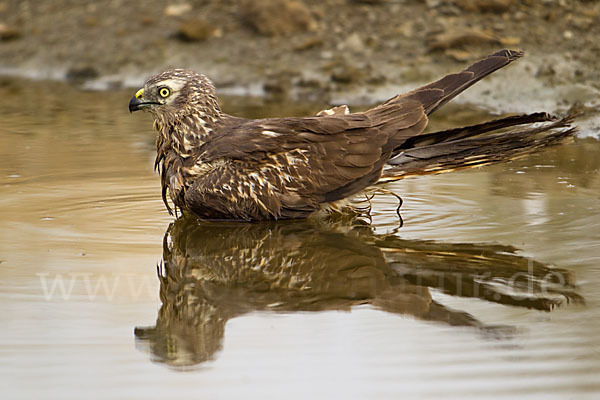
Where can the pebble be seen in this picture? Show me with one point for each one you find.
(278, 17)
(9, 32)
(177, 10)
(352, 43)
(346, 74)
(309, 43)
(486, 6)
(196, 30)
(459, 38)
(81, 73)
(459, 55)
(510, 41)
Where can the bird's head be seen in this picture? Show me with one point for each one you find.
(175, 93)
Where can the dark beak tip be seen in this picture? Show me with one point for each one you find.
(134, 104)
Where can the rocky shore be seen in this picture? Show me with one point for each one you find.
(354, 51)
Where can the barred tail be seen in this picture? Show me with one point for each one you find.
(477, 145)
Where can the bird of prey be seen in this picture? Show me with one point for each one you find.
(217, 166)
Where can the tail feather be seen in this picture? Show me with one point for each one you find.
(438, 93)
(470, 147)
(475, 130)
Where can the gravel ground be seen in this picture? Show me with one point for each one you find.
(317, 50)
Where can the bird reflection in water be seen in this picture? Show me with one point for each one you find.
(212, 272)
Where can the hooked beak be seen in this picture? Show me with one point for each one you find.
(136, 103)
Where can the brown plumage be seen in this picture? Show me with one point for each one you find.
(218, 166)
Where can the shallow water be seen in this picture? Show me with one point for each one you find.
(490, 289)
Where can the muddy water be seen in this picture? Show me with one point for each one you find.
(490, 289)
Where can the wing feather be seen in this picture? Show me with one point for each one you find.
(340, 154)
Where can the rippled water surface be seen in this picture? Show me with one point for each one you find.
(490, 289)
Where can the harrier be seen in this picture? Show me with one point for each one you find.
(217, 166)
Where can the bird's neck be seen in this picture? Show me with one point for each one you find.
(178, 147)
(187, 133)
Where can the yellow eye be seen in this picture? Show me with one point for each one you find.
(164, 92)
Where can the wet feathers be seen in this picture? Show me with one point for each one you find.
(218, 166)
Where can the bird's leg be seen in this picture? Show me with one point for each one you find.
(366, 210)
(376, 191)
(370, 208)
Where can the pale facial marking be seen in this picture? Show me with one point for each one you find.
(174, 85)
